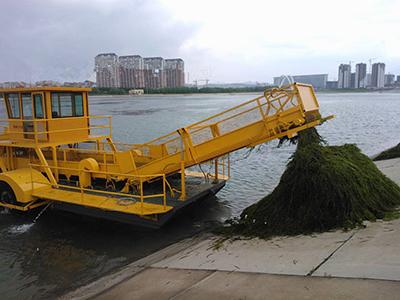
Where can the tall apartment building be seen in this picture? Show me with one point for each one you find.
(131, 72)
(174, 72)
(154, 73)
(389, 79)
(344, 76)
(353, 80)
(361, 76)
(369, 79)
(107, 70)
(378, 75)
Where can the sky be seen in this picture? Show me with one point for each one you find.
(221, 40)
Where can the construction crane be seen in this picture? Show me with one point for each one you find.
(54, 153)
(370, 63)
(196, 82)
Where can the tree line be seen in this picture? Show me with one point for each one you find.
(180, 90)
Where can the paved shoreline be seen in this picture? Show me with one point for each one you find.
(359, 264)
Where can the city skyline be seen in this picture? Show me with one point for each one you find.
(222, 41)
(135, 71)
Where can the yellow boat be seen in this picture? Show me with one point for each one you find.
(53, 152)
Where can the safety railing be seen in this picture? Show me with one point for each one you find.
(37, 130)
(215, 169)
(272, 103)
(104, 157)
(133, 180)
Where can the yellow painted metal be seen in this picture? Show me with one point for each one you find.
(278, 113)
(52, 148)
(87, 164)
(183, 183)
(44, 89)
(59, 130)
(104, 202)
(107, 200)
(31, 205)
(24, 182)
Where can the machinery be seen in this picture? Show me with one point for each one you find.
(53, 152)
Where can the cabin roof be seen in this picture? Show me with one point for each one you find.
(44, 89)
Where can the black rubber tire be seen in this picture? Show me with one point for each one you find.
(7, 195)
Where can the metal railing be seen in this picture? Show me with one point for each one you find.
(38, 131)
(272, 103)
(138, 179)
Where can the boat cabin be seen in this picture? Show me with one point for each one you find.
(45, 114)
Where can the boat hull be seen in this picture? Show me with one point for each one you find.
(153, 222)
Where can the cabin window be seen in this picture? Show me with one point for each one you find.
(65, 101)
(13, 101)
(78, 105)
(66, 105)
(27, 108)
(3, 108)
(37, 99)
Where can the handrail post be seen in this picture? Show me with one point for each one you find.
(216, 170)
(55, 162)
(141, 194)
(229, 166)
(32, 185)
(164, 192)
(223, 166)
(34, 131)
(260, 108)
(183, 183)
(80, 184)
(110, 125)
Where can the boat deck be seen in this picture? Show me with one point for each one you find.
(151, 213)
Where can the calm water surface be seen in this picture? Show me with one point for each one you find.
(63, 251)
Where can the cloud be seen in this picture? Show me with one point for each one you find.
(266, 38)
(58, 40)
(223, 40)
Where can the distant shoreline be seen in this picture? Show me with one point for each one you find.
(333, 91)
(220, 90)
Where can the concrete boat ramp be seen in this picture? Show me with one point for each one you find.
(358, 264)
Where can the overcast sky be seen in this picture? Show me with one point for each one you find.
(223, 40)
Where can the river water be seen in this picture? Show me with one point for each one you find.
(62, 251)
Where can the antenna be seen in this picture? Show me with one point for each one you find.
(197, 81)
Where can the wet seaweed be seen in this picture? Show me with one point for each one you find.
(390, 153)
(323, 188)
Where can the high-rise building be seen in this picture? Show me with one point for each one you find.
(131, 71)
(344, 76)
(398, 79)
(174, 72)
(353, 80)
(389, 79)
(361, 76)
(378, 75)
(107, 70)
(154, 73)
(369, 79)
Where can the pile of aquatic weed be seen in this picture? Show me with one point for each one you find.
(323, 187)
(389, 153)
